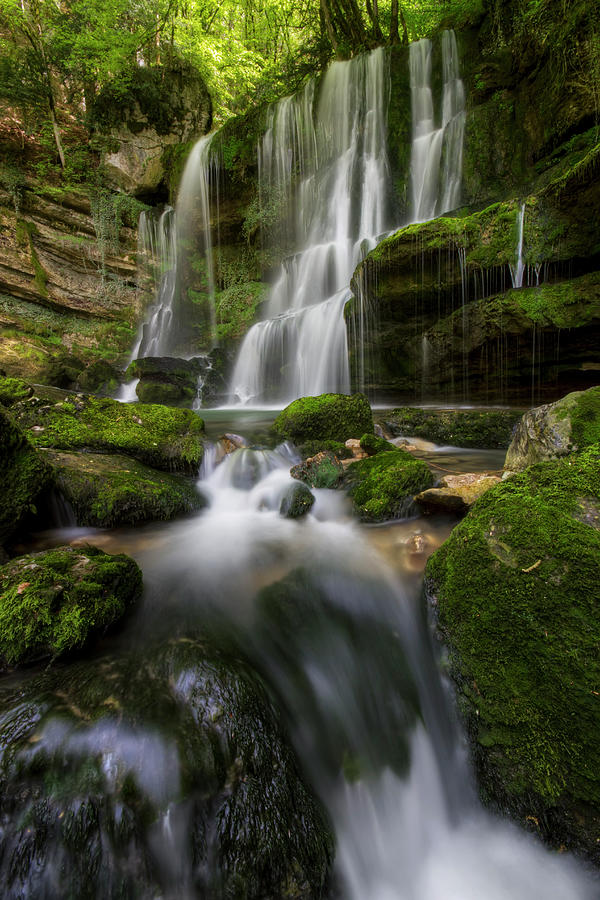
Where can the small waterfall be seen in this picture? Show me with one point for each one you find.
(516, 270)
(436, 154)
(160, 238)
(326, 161)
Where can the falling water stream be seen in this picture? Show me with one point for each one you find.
(356, 677)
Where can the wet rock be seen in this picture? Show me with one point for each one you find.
(556, 429)
(456, 493)
(158, 436)
(457, 427)
(167, 379)
(297, 502)
(231, 442)
(334, 417)
(383, 486)
(109, 490)
(353, 445)
(165, 773)
(24, 475)
(100, 378)
(413, 445)
(321, 471)
(54, 601)
(515, 591)
(371, 444)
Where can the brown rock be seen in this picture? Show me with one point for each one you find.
(456, 493)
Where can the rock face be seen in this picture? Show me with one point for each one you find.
(515, 590)
(24, 475)
(163, 107)
(456, 493)
(195, 792)
(158, 436)
(166, 379)
(106, 491)
(333, 417)
(556, 429)
(53, 602)
(383, 486)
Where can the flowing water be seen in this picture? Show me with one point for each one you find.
(355, 675)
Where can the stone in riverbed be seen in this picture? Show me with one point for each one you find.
(456, 493)
(321, 471)
(110, 490)
(556, 429)
(53, 602)
(333, 417)
(167, 379)
(382, 487)
(297, 503)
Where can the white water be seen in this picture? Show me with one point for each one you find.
(517, 270)
(348, 680)
(326, 162)
(436, 154)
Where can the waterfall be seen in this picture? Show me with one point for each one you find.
(436, 153)
(516, 271)
(159, 247)
(324, 160)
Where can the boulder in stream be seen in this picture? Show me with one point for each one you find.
(489, 429)
(456, 493)
(53, 602)
(297, 503)
(332, 417)
(167, 379)
(162, 774)
(321, 471)
(516, 594)
(382, 487)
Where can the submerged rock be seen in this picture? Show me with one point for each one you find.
(158, 436)
(321, 471)
(54, 601)
(298, 502)
(333, 417)
(383, 486)
(24, 475)
(109, 490)
(516, 590)
(461, 428)
(556, 429)
(161, 774)
(456, 493)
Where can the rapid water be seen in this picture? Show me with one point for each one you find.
(351, 663)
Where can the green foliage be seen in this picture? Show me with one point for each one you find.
(382, 487)
(334, 417)
(236, 308)
(52, 602)
(516, 587)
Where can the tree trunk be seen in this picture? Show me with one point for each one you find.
(394, 36)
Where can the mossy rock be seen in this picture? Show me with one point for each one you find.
(372, 444)
(462, 428)
(328, 417)
(155, 774)
(54, 601)
(297, 503)
(311, 448)
(321, 471)
(12, 390)
(556, 429)
(382, 487)
(100, 377)
(516, 591)
(158, 436)
(24, 475)
(109, 490)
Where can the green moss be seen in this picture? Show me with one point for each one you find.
(297, 503)
(566, 304)
(462, 428)
(584, 413)
(12, 390)
(334, 417)
(372, 444)
(382, 487)
(24, 475)
(236, 308)
(321, 471)
(158, 436)
(106, 491)
(311, 448)
(52, 602)
(516, 587)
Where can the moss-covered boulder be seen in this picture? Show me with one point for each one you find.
(373, 444)
(297, 502)
(167, 379)
(311, 448)
(516, 593)
(456, 493)
(108, 490)
(99, 377)
(459, 427)
(24, 475)
(323, 470)
(158, 436)
(54, 601)
(329, 417)
(382, 487)
(164, 773)
(556, 429)
(14, 389)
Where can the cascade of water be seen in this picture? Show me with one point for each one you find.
(326, 161)
(436, 153)
(516, 270)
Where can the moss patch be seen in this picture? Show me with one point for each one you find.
(236, 308)
(462, 428)
(333, 417)
(23, 476)
(383, 486)
(158, 436)
(516, 589)
(52, 602)
(106, 491)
